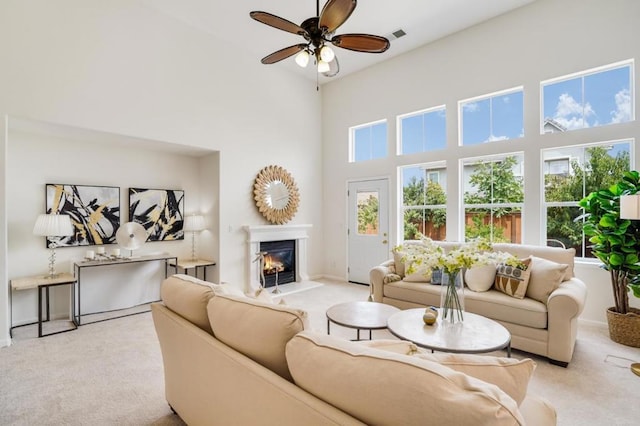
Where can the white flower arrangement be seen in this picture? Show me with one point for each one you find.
(427, 256)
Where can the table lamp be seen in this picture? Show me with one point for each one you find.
(193, 224)
(53, 226)
(630, 207)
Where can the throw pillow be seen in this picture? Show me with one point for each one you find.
(422, 274)
(512, 280)
(397, 260)
(546, 276)
(480, 278)
(509, 374)
(389, 278)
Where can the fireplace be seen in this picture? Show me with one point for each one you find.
(256, 235)
(279, 262)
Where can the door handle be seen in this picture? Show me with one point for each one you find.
(384, 241)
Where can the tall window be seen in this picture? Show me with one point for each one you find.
(590, 98)
(368, 141)
(424, 200)
(494, 117)
(493, 197)
(591, 168)
(422, 131)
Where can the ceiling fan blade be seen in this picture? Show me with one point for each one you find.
(277, 22)
(334, 68)
(335, 13)
(283, 53)
(361, 42)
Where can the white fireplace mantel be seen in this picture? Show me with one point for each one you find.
(258, 234)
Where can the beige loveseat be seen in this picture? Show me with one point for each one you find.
(235, 360)
(538, 324)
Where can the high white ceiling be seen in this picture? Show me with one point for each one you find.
(422, 20)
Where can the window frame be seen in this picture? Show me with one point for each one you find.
(545, 205)
(585, 73)
(489, 96)
(432, 165)
(422, 112)
(352, 140)
(495, 158)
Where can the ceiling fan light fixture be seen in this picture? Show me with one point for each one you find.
(318, 33)
(326, 53)
(323, 66)
(302, 58)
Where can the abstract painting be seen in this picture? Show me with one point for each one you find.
(94, 211)
(159, 211)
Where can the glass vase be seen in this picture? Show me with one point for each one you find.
(452, 297)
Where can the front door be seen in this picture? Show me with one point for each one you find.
(368, 202)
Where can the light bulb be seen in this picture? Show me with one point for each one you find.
(323, 66)
(326, 53)
(302, 58)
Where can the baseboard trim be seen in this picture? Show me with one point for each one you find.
(332, 278)
(600, 324)
(5, 342)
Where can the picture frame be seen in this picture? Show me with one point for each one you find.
(159, 211)
(94, 212)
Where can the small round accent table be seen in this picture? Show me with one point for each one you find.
(360, 315)
(476, 334)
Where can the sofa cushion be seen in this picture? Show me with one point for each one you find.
(256, 329)
(384, 388)
(546, 276)
(188, 297)
(509, 374)
(491, 304)
(513, 280)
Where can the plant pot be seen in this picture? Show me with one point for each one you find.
(624, 329)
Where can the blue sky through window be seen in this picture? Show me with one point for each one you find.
(370, 142)
(426, 131)
(590, 100)
(494, 118)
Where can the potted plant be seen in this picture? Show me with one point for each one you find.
(616, 242)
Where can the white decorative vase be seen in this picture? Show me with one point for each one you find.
(452, 297)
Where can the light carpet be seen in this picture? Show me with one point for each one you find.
(110, 373)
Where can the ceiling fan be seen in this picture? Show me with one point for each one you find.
(318, 31)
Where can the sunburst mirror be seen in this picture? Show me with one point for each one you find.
(276, 194)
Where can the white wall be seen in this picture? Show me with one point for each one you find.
(85, 161)
(120, 67)
(546, 39)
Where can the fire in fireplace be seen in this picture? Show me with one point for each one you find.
(279, 262)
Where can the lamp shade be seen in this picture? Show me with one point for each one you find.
(630, 207)
(194, 223)
(53, 225)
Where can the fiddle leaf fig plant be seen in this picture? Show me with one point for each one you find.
(615, 241)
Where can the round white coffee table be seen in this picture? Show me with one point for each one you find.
(360, 315)
(476, 334)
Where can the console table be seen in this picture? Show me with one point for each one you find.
(44, 282)
(169, 261)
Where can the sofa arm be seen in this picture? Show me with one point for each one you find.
(376, 280)
(565, 305)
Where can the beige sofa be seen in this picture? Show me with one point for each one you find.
(235, 360)
(547, 326)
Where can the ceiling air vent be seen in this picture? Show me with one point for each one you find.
(397, 34)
